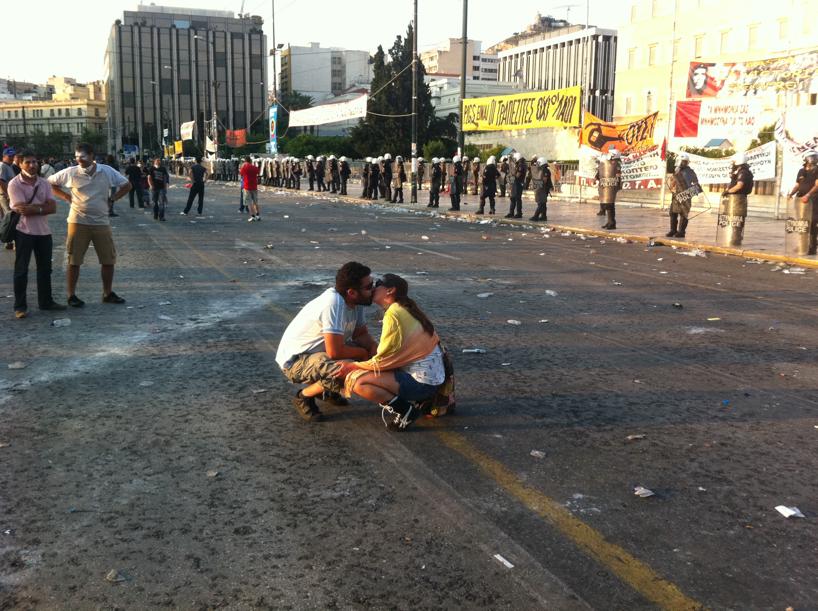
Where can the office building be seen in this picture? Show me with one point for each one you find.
(165, 66)
(323, 73)
(445, 60)
(22, 118)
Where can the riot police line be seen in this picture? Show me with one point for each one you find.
(385, 178)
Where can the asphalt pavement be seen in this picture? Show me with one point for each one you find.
(152, 457)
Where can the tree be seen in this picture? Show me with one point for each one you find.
(387, 127)
(289, 102)
(309, 144)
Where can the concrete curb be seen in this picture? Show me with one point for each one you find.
(602, 233)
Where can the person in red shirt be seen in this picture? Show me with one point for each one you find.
(249, 174)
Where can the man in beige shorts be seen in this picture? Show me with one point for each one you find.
(87, 188)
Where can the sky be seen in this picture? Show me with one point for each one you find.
(64, 38)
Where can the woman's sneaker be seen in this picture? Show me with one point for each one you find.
(398, 414)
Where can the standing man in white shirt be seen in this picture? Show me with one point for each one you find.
(87, 188)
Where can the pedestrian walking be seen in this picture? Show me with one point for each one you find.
(86, 187)
(134, 175)
(158, 181)
(31, 197)
(198, 177)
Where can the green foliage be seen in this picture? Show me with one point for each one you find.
(290, 101)
(308, 144)
(471, 151)
(495, 151)
(55, 144)
(378, 134)
(437, 148)
(767, 134)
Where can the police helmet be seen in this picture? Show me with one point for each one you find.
(398, 158)
(491, 160)
(542, 161)
(387, 156)
(456, 158)
(739, 158)
(435, 160)
(342, 158)
(517, 156)
(613, 153)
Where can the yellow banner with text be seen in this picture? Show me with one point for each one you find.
(533, 109)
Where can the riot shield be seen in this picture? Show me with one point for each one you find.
(732, 215)
(797, 227)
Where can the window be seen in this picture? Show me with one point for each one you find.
(652, 55)
(59, 112)
(96, 112)
(698, 46)
(79, 112)
(724, 41)
(752, 36)
(654, 8)
(649, 102)
(631, 58)
(51, 111)
(783, 28)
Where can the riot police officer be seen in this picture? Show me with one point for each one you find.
(475, 170)
(309, 159)
(397, 182)
(365, 172)
(609, 177)
(343, 173)
(503, 169)
(684, 185)
(805, 193)
(434, 184)
(519, 170)
(387, 177)
(320, 171)
(542, 185)
(455, 183)
(374, 178)
(334, 176)
(421, 172)
(489, 185)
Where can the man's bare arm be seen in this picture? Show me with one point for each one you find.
(337, 349)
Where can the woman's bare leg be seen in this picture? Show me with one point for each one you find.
(379, 388)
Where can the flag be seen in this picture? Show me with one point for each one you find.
(210, 146)
(236, 137)
(687, 118)
(186, 130)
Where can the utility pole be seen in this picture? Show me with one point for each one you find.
(460, 136)
(669, 103)
(414, 194)
(275, 78)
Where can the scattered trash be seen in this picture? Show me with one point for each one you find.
(146, 383)
(181, 276)
(18, 365)
(484, 295)
(269, 246)
(516, 323)
(637, 381)
(258, 391)
(615, 283)
(212, 473)
(61, 322)
(703, 330)
(551, 293)
(713, 319)
(473, 351)
(623, 240)
(643, 492)
(542, 254)
(537, 453)
(660, 259)
(505, 364)
(503, 561)
(663, 272)
(696, 252)
(260, 275)
(163, 317)
(677, 305)
(314, 242)
(635, 437)
(424, 237)
(789, 512)
(286, 216)
(115, 576)
(164, 303)
(422, 273)
(700, 489)
(796, 270)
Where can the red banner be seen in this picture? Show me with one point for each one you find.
(235, 137)
(687, 119)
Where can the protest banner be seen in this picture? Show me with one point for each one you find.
(186, 130)
(178, 147)
(759, 78)
(797, 133)
(273, 116)
(643, 169)
(717, 171)
(235, 137)
(717, 118)
(624, 137)
(330, 113)
(534, 109)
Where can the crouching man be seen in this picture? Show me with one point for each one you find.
(328, 329)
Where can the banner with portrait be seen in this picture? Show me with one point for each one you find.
(797, 133)
(330, 113)
(530, 110)
(273, 122)
(797, 73)
(624, 137)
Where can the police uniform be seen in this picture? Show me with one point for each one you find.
(489, 187)
(434, 186)
(520, 170)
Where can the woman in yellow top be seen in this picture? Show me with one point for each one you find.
(408, 365)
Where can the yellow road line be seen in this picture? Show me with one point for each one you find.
(629, 569)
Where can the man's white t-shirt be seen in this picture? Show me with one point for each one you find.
(89, 192)
(327, 313)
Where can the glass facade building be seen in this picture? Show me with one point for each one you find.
(166, 66)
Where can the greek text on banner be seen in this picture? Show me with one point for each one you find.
(557, 108)
(330, 113)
